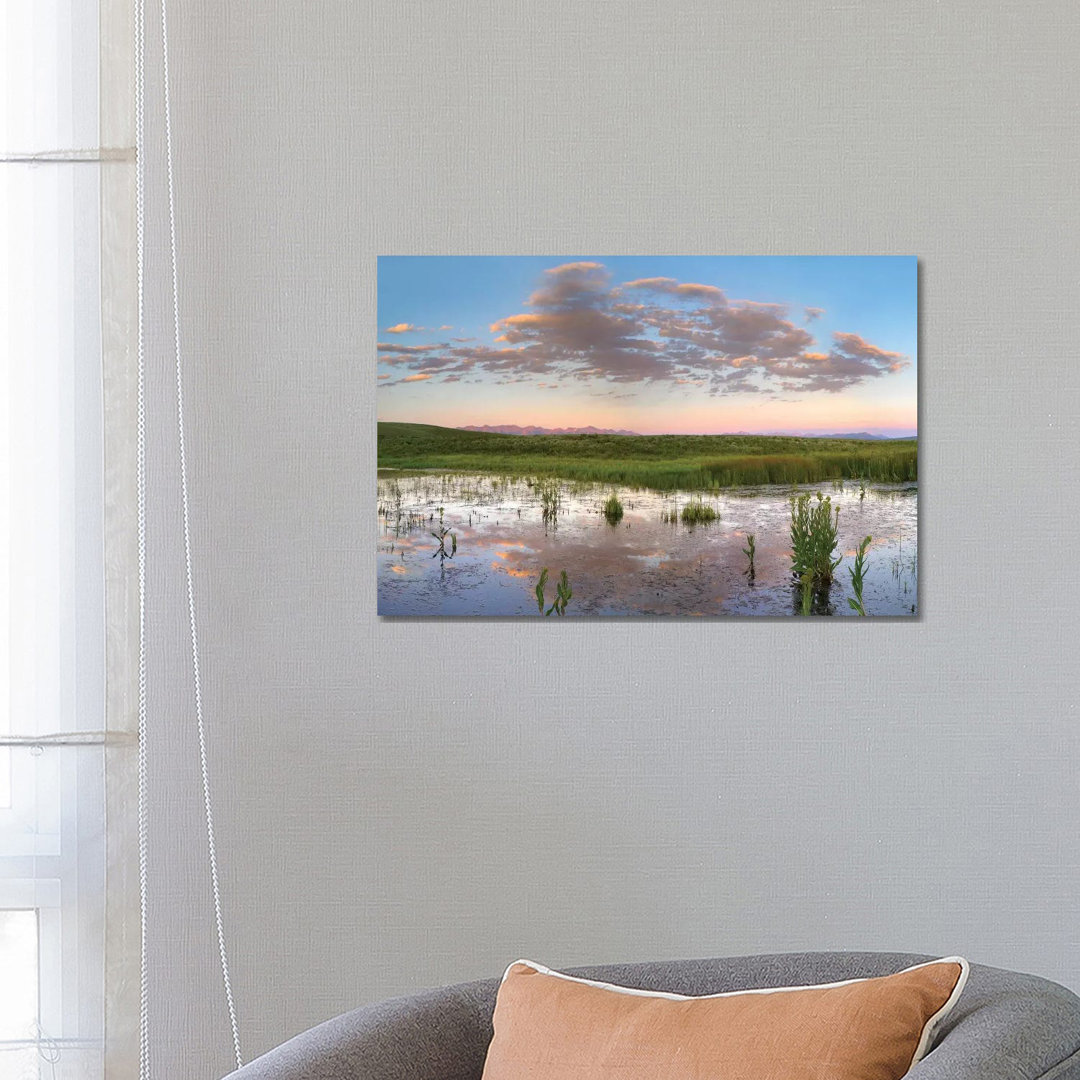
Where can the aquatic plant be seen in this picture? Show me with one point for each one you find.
(813, 539)
(550, 500)
(698, 512)
(858, 574)
(442, 536)
(563, 593)
(748, 551)
(806, 584)
(901, 565)
(540, 589)
(613, 509)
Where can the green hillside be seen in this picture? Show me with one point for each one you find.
(663, 462)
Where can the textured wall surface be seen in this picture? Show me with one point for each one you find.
(399, 805)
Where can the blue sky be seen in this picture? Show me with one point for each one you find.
(650, 343)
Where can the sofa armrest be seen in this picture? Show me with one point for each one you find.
(1007, 1026)
(437, 1035)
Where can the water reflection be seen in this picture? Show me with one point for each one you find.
(645, 564)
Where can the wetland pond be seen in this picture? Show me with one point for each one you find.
(501, 532)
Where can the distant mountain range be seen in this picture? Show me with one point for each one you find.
(826, 435)
(516, 429)
(853, 435)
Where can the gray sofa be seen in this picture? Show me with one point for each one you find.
(1006, 1026)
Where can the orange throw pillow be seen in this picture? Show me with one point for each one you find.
(550, 1026)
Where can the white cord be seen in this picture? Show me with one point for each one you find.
(207, 803)
(140, 454)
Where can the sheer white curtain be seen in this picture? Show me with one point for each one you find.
(52, 542)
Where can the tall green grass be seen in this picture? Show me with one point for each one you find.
(698, 512)
(613, 509)
(550, 500)
(661, 462)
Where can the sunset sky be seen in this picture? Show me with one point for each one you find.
(652, 344)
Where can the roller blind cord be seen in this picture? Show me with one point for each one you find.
(140, 99)
(140, 457)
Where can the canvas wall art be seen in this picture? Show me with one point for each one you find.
(647, 436)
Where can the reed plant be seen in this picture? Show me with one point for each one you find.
(748, 551)
(613, 509)
(858, 575)
(813, 539)
(550, 493)
(563, 593)
(539, 590)
(699, 512)
(442, 536)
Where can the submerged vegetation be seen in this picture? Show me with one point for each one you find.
(662, 462)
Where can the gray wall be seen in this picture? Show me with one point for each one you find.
(401, 804)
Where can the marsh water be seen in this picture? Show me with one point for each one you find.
(645, 564)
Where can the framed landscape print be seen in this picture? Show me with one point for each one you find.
(648, 436)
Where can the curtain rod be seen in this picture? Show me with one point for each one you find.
(70, 738)
(89, 156)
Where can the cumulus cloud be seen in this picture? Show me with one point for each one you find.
(571, 285)
(580, 325)
(402, 328)
(854, 346)
(851, 360)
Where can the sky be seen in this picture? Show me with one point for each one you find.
(651, 344)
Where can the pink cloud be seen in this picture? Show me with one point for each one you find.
(582, 326)
(709, 293)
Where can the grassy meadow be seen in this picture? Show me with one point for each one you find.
(660, 462)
